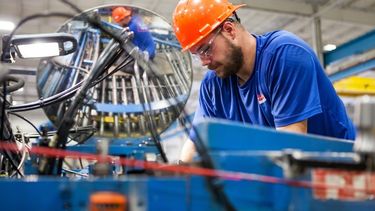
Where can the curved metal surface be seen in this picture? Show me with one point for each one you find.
(116, 106)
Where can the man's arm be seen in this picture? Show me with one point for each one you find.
(188, 151)
(299, 127)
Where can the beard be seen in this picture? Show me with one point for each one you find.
(233, 63)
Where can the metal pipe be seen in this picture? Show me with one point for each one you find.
(115, 102)
(125, 101)
(137, 97)
(317, 37)
(102, 100)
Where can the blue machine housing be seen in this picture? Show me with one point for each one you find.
(233, 146)
(237, 147)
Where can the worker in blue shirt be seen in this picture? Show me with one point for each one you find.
(272, 80)
(142, 37)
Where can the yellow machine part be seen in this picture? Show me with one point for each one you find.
(111, 119)
(355, 86)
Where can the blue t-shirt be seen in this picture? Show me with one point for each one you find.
(142, 36)
(294, 88)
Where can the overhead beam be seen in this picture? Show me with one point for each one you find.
(359, 45)
(22, 71)
(345, 15)
(287, 7)
(306, 10)
(365, 66)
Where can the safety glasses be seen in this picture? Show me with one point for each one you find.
(205, 50)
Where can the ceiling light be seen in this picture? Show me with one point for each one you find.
(35, 50)
(43, 45)
(6, 25)
(329, 47)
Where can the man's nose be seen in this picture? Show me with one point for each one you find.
(205, 60)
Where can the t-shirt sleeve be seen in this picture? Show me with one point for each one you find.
(293, 85)
(142, 36)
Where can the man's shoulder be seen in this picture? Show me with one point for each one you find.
(281, 42)
(276, 39)
(280, 36)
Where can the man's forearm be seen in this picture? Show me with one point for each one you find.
(299, 127)
(188, 151)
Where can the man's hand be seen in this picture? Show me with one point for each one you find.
(299, 127)
(188, 151)
(146, 56)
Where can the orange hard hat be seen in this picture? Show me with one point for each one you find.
(193, 20)
(120, 13)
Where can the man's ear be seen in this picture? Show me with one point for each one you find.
(229, 29)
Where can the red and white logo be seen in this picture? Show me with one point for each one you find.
(261, 98)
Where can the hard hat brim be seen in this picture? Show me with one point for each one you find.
(235, 7)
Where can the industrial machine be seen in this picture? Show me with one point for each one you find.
(137, 101)
(108, 103)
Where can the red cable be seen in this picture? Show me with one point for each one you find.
(188, 170)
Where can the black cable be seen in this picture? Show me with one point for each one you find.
(19, 83)
(124, 63)
(3, 110)
(7, 46)
(80, 162)
(114, 70)
(2, 127)
(202, 151)
(151, 123)
(112, 51)
(28, 18)
(26, 120)
(47, 101)
(67, 121)
(70, 92)
(217, 189)
(206, 160)
(61, 96)
(6, 49)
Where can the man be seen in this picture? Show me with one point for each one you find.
(273, 80)
(142, 37)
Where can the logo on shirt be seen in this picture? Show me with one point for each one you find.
(261, 98)
(142, 27)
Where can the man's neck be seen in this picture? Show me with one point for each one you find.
(249, 50)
